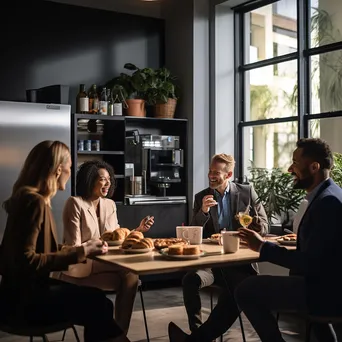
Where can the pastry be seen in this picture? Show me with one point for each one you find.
(143, 244)
(127, 231)
(175, 250)
(129, 242)
(136, 234)
(119, 234)
(166, 242)
(107, 236)
(216, 236)
(191, 250)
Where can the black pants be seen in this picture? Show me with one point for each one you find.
(64, 302)
(259, 296)
(225, 312)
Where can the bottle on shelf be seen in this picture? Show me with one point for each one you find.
(110, 103)
(93, 100)
(82, 101)
(103, 102)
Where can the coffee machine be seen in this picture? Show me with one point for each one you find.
(158, 164)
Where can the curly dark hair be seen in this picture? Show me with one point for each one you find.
(317, 150)
(87, 175)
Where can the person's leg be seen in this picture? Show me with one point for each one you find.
(259, 296)
(226, 311)
(125, 296)
(85, 306)
(192, 283)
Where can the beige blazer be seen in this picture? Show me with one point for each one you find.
(81, 224)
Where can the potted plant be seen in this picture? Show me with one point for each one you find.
(162, 93)
(135, 86)
(336, 173)
(275, 191)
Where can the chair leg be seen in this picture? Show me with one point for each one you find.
(64, 333)
(144, 313)
(75, 333)
(242, 329)
(211, 299)
(45, 338)
(308, 331)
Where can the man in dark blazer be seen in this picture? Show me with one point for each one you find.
(215, 209)
(314, 284)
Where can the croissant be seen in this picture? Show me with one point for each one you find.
(136, 234)
(119, 234)
(129, 242)
(143, 243)
(107, 236)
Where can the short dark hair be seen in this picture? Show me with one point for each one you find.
(87, 176)
(318, 150)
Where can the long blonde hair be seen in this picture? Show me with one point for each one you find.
(39, 173)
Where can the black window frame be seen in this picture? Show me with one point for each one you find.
(302, 55)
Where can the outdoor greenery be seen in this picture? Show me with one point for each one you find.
(336, 173)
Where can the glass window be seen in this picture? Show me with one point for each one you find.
(325, 24)
(269, 146)
(270, 26)
(271, 91)
(326, 82)
(328, 129)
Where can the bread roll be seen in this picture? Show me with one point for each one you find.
(175, 250)
(107, 236)
(136, 234)
(127, 231)
(191, 250)
(129, 242)
(143, 243)
(119, 234)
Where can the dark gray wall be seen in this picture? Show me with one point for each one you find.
(50, 43)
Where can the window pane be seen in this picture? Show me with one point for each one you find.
(269, 146)
(328, 129)
(325, 24)
(326, 82)
(271, 31)
(271, 91)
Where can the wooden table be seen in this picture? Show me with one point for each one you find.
(155, 263)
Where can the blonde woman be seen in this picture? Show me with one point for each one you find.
(29, 252)
(88, 216)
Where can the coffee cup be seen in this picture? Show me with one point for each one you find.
(230, 241)
(193, 234)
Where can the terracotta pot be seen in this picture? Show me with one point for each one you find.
(136, 107)
(166, 110)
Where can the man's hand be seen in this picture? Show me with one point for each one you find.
(95, 247)
(253, 240)
(208, 202)
(145, 224)
(256, 224)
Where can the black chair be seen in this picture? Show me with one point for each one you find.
(37, 331)
(216, 288)
(310, 319)
(143, 309)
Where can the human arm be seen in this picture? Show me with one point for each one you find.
(199, 217)
(260, 221)
(72, 223)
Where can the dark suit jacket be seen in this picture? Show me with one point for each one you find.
(29, 250)
(241, 195)
(318, 254)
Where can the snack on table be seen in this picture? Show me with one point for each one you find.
(191, 250)
(107, 236)
(129, 242)
(136, 234)
(288, 237)
(143, 243)
(216, 236)
(175, 250)
(167, 242)
(120, 234)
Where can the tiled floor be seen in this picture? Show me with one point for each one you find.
(165, 305)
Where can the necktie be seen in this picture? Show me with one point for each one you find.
(299, 215)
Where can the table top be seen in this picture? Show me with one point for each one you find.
(155, 263)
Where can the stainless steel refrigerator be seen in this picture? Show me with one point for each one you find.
(22, 126)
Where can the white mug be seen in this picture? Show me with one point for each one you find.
(230, 241)
(193, 234)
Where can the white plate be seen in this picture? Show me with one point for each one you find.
(115, 243)
(136, 251)
(287, 243)
(164, 252)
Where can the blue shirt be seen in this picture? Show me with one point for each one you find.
(223, 209)
(311, 195)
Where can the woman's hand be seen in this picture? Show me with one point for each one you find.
(145, 224)
(95, 247)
